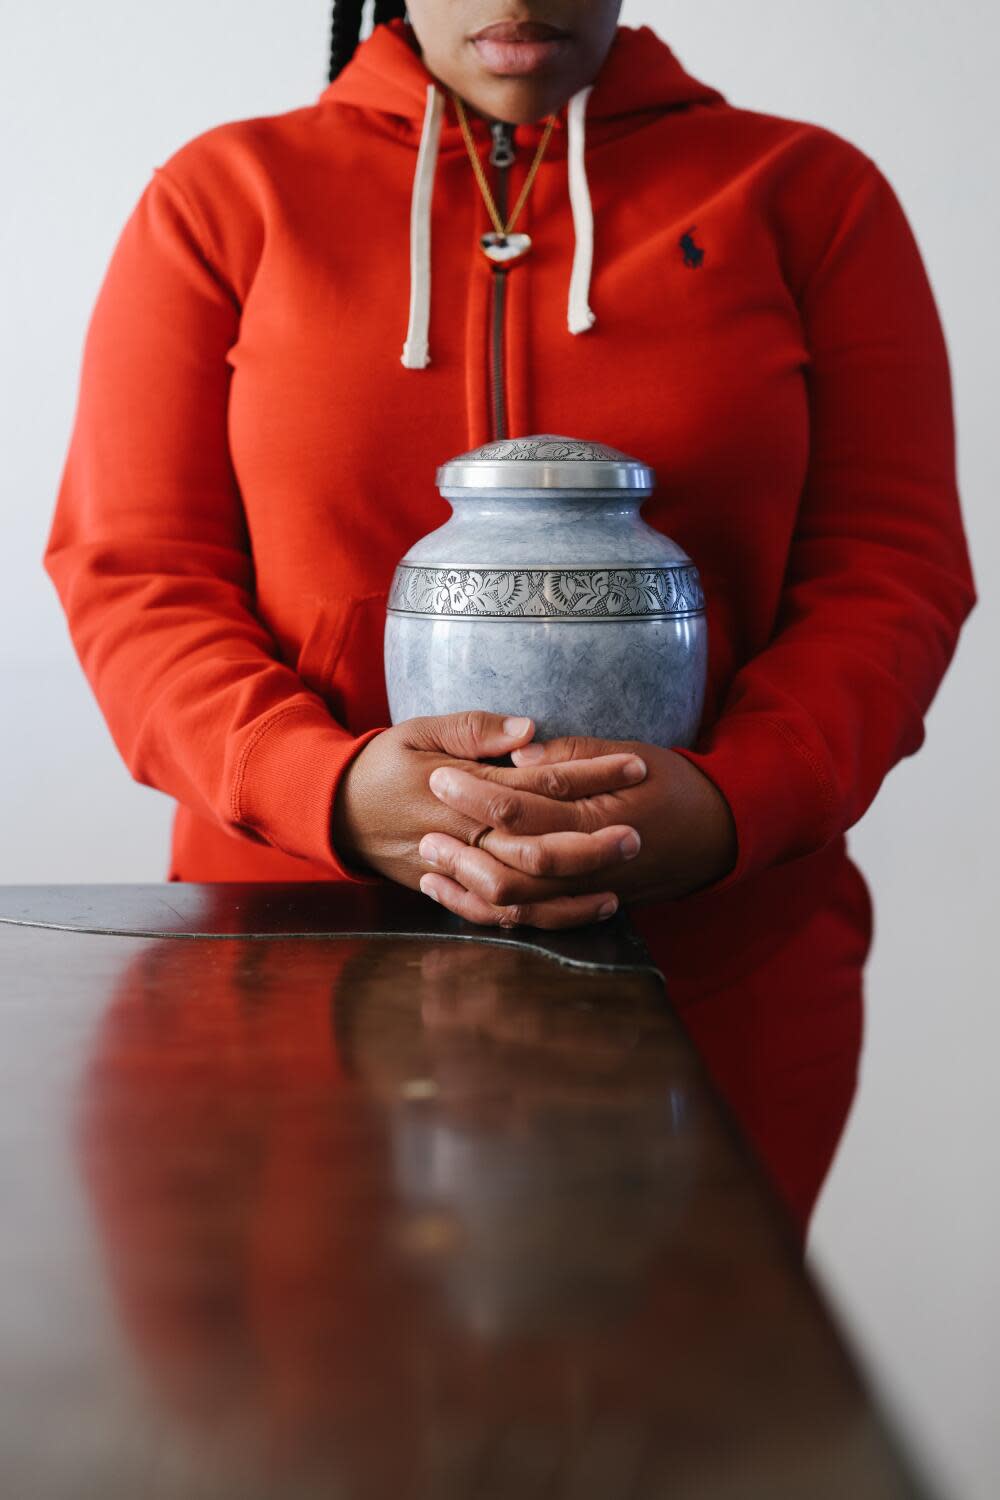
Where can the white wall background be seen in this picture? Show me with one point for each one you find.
(907, 1234)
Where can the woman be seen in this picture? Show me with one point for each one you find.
(299, 323)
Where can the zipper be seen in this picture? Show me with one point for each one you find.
(502, 153)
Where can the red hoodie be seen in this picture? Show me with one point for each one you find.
(253, 451)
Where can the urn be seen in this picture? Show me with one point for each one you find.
(546, 594)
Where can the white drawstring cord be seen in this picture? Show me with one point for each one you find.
(416, 352)
(579, 315)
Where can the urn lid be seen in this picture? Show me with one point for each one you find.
(545, 460)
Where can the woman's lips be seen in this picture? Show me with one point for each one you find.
(519, 47)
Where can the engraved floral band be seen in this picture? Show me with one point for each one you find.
(547, 593)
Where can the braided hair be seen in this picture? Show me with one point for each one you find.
(345, 27)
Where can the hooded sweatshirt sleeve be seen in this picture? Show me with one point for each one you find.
(878, 579)
(149, 553)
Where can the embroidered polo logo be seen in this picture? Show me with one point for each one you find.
(693, 254)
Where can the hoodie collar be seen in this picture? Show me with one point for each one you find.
(387, 77)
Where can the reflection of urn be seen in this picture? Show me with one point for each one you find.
(546, 594)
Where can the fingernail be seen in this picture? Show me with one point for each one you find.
(608, 909)
(428, 851)
(516, 727)
(634, 770)
(428, 889)
(629, 846)
(527, 754)
(442, 781)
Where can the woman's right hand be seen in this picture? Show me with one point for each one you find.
(384, 805)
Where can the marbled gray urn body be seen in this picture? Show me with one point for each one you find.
(546, 594)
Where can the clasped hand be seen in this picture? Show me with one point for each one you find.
(559, 839)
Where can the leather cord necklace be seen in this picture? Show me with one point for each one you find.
(501, 247)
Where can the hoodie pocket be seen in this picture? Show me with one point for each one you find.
(341, 660)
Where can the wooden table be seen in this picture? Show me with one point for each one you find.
(316, 1191)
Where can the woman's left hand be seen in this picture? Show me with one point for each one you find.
(686, 830)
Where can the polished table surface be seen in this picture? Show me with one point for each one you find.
(318, 1191)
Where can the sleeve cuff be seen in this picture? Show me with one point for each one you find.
(287, 780)
(782, 804)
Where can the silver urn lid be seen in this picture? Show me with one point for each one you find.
(543, 461)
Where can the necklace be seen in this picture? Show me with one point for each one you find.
(501, 247)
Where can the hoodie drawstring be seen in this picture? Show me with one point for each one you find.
(416, 349)
(416, 353)
(579, 316)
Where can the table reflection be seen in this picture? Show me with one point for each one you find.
(539, 1152)
(384, 1216)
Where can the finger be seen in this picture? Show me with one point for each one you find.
(561, 856)
(561, 911)
(497, 806)
(487, 877)
(537, 867)
(570, 747)
(469, 736)
(570, 779)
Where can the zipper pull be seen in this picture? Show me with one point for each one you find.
(502, 150)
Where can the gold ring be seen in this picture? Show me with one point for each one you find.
(476, 841)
